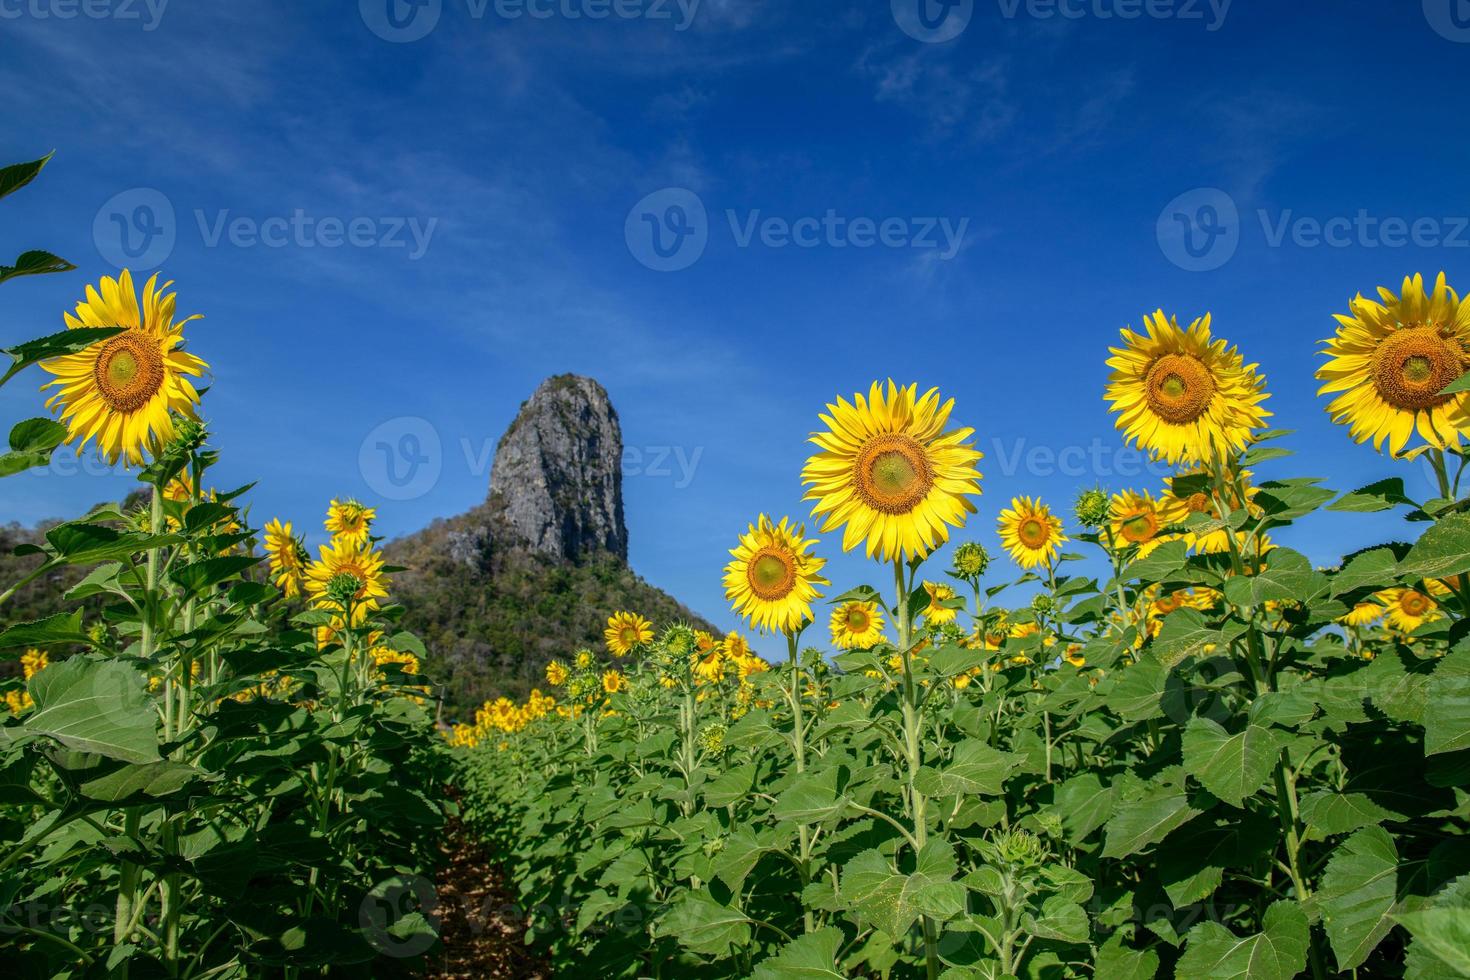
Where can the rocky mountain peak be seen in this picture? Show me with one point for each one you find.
(557, 478)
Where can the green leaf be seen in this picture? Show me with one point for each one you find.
(1148, 819)
(976, 768)
(31, 444)
(1327, 814)
(36, 435)
(809, 957)
(1442, 551)
(812, 797)
(1084, 804)
(1287, 500)
(154, 779)
(86, 543)
(952, 659)
(1358, 896)
(1192, 863)
(701, 924)
(101, 579)
(200, 575)
(1060, 919)
(1231, 767)
(95, 706)
(1137, 693)
(1278, 953)
(893, 901)
(34, 263)
(1288, 575)
(1383, 495)
(1260, 454)
(1117, 962)
(1162, 562)
(1184, 634)
(60, 628)
(55, 345)
(1447, 712)
(1373, 568)
(1441, 931)
(17, 175)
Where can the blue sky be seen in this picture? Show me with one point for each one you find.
(299, 148)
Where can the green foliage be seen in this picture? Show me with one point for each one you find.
(1221, 778)
(190, 785)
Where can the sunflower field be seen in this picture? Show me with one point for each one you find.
(219, 760)
(1213, 761)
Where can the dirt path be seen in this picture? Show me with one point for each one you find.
(480, 929)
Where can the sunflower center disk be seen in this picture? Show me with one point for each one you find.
(1139, 528)
(1032, 532)
(128, 372)
(857, 621)
(1414, 604)
(892, 474)
(1179, 388)
(772, 575)
(1412, 366)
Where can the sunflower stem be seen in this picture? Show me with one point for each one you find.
(798, 748)
(913, 744)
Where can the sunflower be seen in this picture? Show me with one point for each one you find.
(1075, 656)
(625, 631)
(939, 611)
(890, 472)
(350, 521)
(772, 581)
(710, 663)
(1408, 609)
(125, 391)
(1363, 614)
(1188, 492)
(556, 673)
(1392, 360)
(856, 625)
(1182, 396)
(342, 558)
(1136, 519)
(1030, 532)
(613, 681)
(583, 659)
(288, 557)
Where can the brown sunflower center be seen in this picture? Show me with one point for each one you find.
(892, 473)
(858, 621)
(1413, 365)
(1179, 388)
(1414, 603)
(1140, 527)
(128, 371)
(1198, 503)
(1168, 604)
(1033, 532)
(772, 574)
